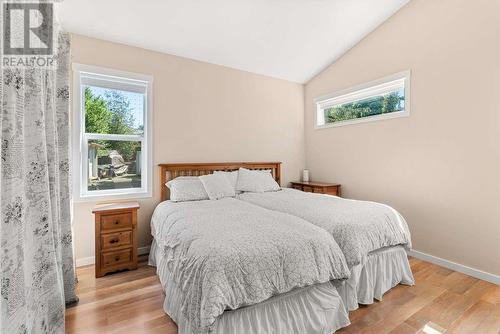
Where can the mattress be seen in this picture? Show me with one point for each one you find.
(359, 227)
(228, 254)
(372, 236)
(318, 308)
(314, 309)
(384, 269)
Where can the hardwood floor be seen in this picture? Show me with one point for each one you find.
(442, 300)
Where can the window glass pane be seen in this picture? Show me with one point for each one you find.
(389, 102)
(112, 111)
(114, 164)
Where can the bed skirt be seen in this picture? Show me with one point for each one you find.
(384, 269)
(313, 309)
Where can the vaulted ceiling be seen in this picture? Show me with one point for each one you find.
(287, 39)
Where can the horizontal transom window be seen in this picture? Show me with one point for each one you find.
(376, 100)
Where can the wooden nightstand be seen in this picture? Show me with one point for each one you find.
(115, 237)
(317, 187)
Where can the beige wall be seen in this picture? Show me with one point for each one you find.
(441, 166)
(202, 113)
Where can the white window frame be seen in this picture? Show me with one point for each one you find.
(113, 79)
(362, 91)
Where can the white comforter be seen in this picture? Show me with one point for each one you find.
(359, 227)
(226, 254)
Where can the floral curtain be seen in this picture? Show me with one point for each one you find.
(36, 255)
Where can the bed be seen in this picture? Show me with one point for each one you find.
(373, 237)
(228, 266)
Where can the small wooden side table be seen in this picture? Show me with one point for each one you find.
(115, 237)
(317, 187)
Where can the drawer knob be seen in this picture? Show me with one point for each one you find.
(117, 222)
(112, 241)
(117, 258)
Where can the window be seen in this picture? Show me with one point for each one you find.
(381, 99)
(112, 110)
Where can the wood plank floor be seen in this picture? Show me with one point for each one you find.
(442, 300)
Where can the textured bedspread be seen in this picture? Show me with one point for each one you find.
(226, 254)
(359, 227)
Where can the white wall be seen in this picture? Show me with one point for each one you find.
(202, 113)
(441, 166)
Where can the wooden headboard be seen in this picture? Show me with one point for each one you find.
(171, 171)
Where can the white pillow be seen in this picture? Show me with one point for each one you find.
(217, 186)
(186, 188)
(231, 176)
(256, 181)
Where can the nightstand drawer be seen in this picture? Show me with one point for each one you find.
(112, 240)
(317, 187)
(115, 258)
(116, 221)
(307, 189)
(335, 191)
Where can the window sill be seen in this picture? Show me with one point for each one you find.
(375, 118)
(112, 197)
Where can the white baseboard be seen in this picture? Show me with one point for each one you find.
(492, 278)
(143, 250)
(85, 261)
